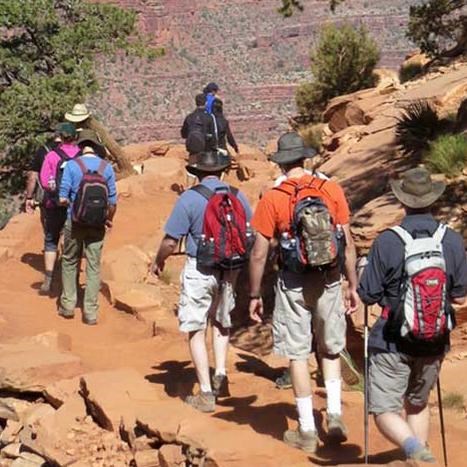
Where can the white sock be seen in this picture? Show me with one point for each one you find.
(305, 413)
(205, 387)
(221, 371)
(333, 389)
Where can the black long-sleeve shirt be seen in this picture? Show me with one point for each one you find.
(224, 133)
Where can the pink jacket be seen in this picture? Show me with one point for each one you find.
(49, 166)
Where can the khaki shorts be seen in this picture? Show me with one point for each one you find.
(203, 295)
(396, 378)
(303, 301)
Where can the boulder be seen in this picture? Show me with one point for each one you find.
(136, 300)
(13, 409)
(11, 451)
(177, 151)
(59, 392)
(141, 151)
(171, 455)
(148, 458)
(28, 459)
(128, 264)
(10, 432)
(31, 364)
(112, 397)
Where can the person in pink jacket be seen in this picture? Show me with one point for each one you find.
(55, 215)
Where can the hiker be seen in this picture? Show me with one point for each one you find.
(223, 131)
(55, 215)
(208, 278)
(210, 91)
(88, 190)
(198, 132)
(309, 217)
(415, 271)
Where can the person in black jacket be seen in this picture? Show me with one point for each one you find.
(198, 130)
(224, 133)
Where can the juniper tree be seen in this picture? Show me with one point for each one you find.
(47, 54)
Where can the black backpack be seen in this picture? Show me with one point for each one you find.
(199, 134)
(92, 199)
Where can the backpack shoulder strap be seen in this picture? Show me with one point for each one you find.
(102, 166)
(287, 186)
(81, 165)
(62, 154)
(406, 238)
(204, 191)
(440, 232)
(234, 191)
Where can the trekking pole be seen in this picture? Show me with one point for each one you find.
(365, 382)
(441, 420)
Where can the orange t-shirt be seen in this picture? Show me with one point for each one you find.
(273, 213)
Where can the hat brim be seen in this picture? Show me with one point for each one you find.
(292, 155)
(99, 147)
(76, 118)
(194, 169)
(414, 201)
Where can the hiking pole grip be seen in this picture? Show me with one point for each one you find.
(441, 421)
(365, 344)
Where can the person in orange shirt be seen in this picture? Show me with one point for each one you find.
(308, 297)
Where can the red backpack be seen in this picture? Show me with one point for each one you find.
(226, 238)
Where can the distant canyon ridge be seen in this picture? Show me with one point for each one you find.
(255, 55)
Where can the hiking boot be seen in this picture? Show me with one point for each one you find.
(350, 373)
(220, 386)
(337, 432)
(305, 440)
(46, 286)
(423, 455)
(203, 401)
(65, 313)
(89, 321)
(284, 381)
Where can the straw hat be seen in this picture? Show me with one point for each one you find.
(78, 114)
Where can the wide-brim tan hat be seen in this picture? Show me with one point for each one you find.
(416, 190)
(78, 114)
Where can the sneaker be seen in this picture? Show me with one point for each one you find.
(220, 386)
(284, 381)
(423, 455)
(350, 373)
(89, 321)
(337, 432)
(65, 313)
(203, 401)
(305, 440)
(46, 286)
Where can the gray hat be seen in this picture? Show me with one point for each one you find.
(416, 189)
(209, 161)
(291, 148)
(91, 138)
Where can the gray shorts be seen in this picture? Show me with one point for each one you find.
(202, 296)
(397, 378)
(304, 302)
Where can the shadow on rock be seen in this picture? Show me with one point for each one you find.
(35, 260)
(178, 380)
(258, 367)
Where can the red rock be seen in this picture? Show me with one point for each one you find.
(170, 455)
(13, 409)
(59, 392)
(148, 458)
(127, 265)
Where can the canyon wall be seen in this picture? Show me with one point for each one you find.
(257, 57)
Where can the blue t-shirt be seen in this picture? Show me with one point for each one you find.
(72, 176)
(210, 98)
(188, 214)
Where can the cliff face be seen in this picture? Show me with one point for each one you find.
(255, 55)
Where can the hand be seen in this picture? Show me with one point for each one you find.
(155, 269)
(351, 300)
(29, 206)
(256, 309)
(109, 224)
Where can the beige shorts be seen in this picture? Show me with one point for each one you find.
(203, 296)
(304, 302)
(395, 378)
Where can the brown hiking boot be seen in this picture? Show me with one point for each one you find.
(203, 401)
(305, 440)
(220, 386)
(337, 432)
(423, 455)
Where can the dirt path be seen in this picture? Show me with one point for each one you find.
(121, 340)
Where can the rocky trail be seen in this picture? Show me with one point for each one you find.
(111, 395)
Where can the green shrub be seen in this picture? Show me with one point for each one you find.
(454, 400)
(342, 62)
(312, 135)
(418, 125)
(448, 155)
(410, 71)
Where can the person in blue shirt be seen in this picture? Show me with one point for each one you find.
(210, 91)
(202, 297)
(79, 238)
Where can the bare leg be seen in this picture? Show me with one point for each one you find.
(300, 378)
(394, 427)
(419, 421)
(49, 261)
(220, 340)
(199, 354)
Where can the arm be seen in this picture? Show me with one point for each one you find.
(184, 130)
(231, 139)
(32, 180)
(166, 248)
(257, 264)
(66, 184)
(351, 296)
(47, 171)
